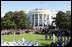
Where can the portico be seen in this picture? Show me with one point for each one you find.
(41, 18)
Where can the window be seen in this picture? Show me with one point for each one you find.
(40, 16)
(44, 22)
(40, 23)
(33, 19)
(33, 16)
(36, 16)
(47, 16)
(36, 22)
(44, 16)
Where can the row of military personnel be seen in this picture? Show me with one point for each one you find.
(23, 43)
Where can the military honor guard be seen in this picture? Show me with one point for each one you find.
(36, 43)
(53, 37)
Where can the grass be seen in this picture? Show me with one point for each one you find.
(27, 36)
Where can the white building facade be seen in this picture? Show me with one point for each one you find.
(41, 18)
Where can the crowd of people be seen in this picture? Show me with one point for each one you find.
(23, 43)
(52, 36)
(59, 41)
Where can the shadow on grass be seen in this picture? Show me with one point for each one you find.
(46, 40)
(44, 44)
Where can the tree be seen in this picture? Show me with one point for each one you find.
(63, 20)
(68, 20)
(20, 19)
(15, 20)
(6, 21)
(8, 24)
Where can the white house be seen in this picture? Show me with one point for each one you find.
(41, 18)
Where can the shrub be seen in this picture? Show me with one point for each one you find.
(36, 32)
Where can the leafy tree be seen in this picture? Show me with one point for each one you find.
(20, 19)
(14, 20)
(63, 20)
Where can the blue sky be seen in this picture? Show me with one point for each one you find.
(30, 5)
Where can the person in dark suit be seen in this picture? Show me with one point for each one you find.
(57, 36)
(52, 44)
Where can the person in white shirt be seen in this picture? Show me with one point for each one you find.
(36, 43)
(53, 37)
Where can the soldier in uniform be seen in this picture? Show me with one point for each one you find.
(14, 43)
(36, 43)
(23, 39)
(26, 43)
(65, 43)
(9, 43)
(49, 35)
(56, 43)
(61, 37)
(30, 43)
(46, 36)
(53, 37)
(18, 43)
(52, 44)
(57, 36)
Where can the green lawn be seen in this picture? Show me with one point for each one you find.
(40, 38)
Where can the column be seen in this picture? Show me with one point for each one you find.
(47, 19)
(34, 20)
(42, 20)
(38, 20)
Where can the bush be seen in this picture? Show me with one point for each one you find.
(36, 32)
